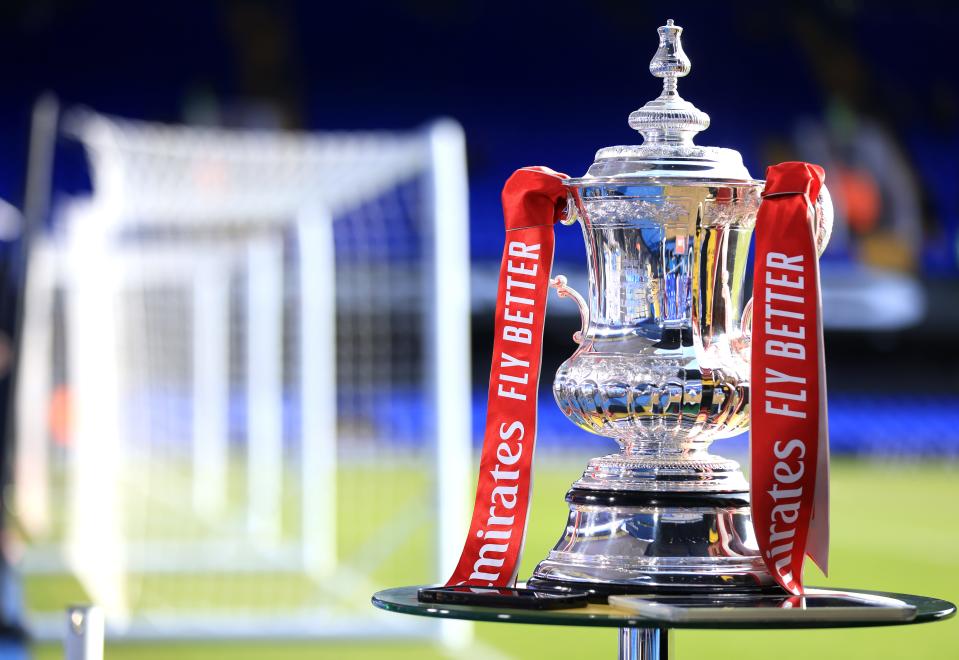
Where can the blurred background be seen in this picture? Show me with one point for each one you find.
(207, 206)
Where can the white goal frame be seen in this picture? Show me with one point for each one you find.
(307, 180)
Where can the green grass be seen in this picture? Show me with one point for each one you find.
(894, 527)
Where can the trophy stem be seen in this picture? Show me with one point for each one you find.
(655, 468)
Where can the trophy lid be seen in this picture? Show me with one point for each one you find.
(668, 124)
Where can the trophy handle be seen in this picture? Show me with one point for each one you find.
(569, 216)
(563, 290)
(824, 218)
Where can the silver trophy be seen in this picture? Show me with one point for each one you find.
(662, 365)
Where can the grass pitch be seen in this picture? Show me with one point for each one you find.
(895, 527)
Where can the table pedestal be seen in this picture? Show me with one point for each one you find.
(644, 644)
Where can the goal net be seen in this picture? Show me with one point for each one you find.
(243, 395)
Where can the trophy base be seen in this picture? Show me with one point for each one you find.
(622, 541)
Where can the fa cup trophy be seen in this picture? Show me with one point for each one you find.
(663, 362)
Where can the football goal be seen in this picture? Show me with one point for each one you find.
(243, 397)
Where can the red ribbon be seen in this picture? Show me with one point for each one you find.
(789, 443)
(534, 198)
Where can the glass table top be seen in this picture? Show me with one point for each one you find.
(403, 600)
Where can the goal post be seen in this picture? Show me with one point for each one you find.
(257, 348)
(449, 350)
(95, 549)
(318, 390)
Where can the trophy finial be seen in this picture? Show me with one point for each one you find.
(669, 118)
(670, 62)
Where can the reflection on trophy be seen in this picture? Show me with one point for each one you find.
(663, 360)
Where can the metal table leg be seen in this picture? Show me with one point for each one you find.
(644, 643)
